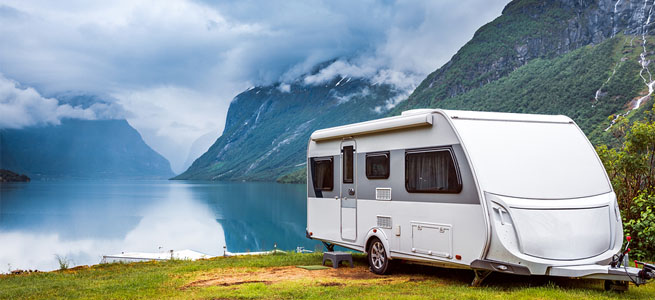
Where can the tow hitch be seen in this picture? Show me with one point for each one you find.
(647, 271)
(620, 264)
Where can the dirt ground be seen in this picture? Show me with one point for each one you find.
(359, 275)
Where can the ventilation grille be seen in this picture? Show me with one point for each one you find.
(384, 222)
(383, 194)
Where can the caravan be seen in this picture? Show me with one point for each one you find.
(511, 193)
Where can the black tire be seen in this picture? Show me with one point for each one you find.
(616, 286)
(377, 257)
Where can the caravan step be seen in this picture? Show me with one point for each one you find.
(338, 256)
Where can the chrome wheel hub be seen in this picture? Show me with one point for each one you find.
(378, 256)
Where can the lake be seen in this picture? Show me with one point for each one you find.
(84, 219)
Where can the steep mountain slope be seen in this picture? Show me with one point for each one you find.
(267, 127)
(529, 29)
(569, 84)
(81, 149)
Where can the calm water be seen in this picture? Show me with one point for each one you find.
(82, 220)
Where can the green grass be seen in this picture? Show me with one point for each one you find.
(172, 279)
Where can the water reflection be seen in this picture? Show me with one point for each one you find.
(83, 220)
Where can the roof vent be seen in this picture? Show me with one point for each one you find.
(418, 111)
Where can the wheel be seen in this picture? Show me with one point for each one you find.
(616, 286)
(377, 257)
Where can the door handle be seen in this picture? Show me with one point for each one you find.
(351, 191)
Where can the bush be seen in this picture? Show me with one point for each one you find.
(64, 263)
(642, 226)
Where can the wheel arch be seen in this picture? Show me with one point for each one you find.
(377, 233)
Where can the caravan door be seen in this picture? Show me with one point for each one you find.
(348, 190)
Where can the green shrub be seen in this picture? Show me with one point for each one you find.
(642, 226)
(64, 263)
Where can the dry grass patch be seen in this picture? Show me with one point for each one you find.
(343, 276)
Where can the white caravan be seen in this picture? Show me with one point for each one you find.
(512, 193)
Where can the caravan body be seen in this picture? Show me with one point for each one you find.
(514, 193)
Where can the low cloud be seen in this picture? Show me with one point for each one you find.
(403, 82)
(392, 102)
(284, 88)
(341, 99)
(170, 119)
(340, 68)
(22, 107)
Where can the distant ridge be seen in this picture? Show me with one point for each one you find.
(81, 149)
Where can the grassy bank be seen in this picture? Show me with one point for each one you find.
(276, 276)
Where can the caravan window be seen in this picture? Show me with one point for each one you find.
(377, 165)
(432, 171)
(322, 173)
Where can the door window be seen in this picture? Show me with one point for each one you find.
(348, 172)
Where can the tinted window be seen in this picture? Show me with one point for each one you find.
(348, 164)
(322, 173)
(377, 165)
(431, 171)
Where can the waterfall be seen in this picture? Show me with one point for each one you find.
(614, 18)
(643, 61)
(650, 83)
(599, 91)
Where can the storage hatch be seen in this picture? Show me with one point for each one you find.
(432, 239)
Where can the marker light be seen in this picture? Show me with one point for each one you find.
(375, 230)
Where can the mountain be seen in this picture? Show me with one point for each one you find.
(585, 59)
(199, 147)
(267, 127)
(527, 30)
(588, 59)
(81, 149)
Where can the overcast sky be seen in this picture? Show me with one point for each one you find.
(174, 66)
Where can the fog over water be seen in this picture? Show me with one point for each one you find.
(83, 220)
